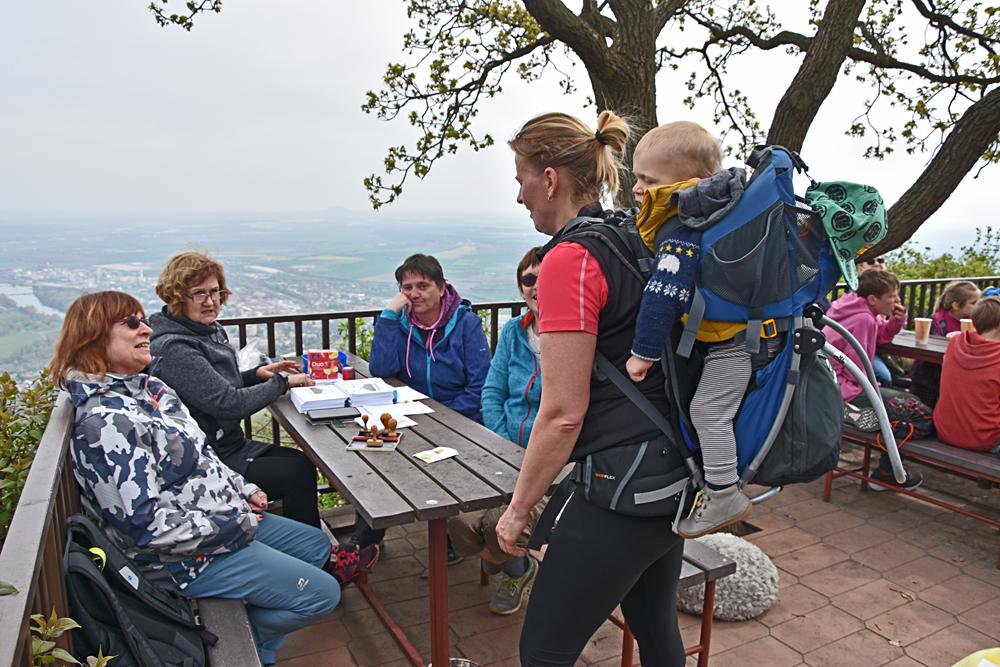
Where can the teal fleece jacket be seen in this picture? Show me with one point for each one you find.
(513, 387)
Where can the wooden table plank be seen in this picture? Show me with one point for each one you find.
(483, 463)
(374, 499)
(712, 562)
(460, 429)
(904, 344)
(503, 448)
(471, 492)
(427, 498)
(690, 576)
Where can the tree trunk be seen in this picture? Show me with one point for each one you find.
(622, 74)
(631, 92)
(818, 73)
(972, 135)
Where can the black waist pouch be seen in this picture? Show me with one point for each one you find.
(647, 478)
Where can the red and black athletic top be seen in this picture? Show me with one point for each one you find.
(582, 286)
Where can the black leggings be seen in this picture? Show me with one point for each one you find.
(597, 559)
(286, 474)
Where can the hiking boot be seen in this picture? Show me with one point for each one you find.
(883, 480)
(510, 592)
(348, 561)
(713, 510)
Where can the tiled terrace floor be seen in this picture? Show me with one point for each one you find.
(868, 579)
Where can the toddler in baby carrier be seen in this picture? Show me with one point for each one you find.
(764, 263)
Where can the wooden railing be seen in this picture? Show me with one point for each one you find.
(351, 318)
(32, 556)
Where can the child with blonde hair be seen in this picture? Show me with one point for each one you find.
(953, 305)
(670, 163)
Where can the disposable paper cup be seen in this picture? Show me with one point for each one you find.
(921, 329)
(967, 324)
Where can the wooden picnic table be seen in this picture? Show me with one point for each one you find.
(904, 344)
(394, 488)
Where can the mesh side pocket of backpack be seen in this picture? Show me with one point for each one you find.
(806, 244)
(748, 265)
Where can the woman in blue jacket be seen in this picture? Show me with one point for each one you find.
(511, 397)
(429, 338)
(513, 386)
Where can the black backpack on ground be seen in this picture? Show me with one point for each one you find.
(121, 612)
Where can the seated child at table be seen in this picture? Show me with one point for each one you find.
(967, 414)
(955, 303)
(858, 312)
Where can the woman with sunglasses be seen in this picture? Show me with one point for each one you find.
(196, 359)
(511, 396)
(186, 518)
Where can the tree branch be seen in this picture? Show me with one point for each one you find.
(579, 35)
(803, 43)
(972, 137)
(816, 76)
(947, 22)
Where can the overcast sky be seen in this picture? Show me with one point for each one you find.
(257, 110)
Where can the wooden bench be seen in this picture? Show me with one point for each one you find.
(32, 559)
(929, 451)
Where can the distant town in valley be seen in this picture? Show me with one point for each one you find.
(333, 261)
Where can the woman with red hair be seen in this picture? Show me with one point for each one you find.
(167, 499)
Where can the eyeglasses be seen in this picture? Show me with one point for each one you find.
(215, 294)
(133, 321)
(529, 279)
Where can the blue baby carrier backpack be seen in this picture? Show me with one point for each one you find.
(765, 262)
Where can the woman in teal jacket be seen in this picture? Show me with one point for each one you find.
(428, 337)
(513, 387)
(511, 397)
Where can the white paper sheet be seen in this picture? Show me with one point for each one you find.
(404, 394)
(436, 454)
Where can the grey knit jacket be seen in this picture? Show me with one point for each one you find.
(198, 362)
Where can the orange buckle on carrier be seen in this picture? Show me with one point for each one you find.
(768, 328)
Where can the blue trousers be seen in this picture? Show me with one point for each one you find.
(882, 373)
(279, 576)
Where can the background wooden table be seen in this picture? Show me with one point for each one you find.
(392, 488)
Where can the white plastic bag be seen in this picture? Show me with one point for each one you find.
(249, 357)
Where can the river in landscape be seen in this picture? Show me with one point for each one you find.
(24, 297)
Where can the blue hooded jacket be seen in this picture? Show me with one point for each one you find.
(456, 374)
(513, 388)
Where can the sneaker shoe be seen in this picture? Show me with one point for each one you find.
(454, 558)
(510, 592)
(886, 480)
(713, 510)
(348, 561)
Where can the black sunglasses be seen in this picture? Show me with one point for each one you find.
(133, 321)
(529, 279)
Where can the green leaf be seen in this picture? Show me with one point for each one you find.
(7, 589)
(61, 654)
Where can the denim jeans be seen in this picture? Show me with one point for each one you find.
(279, 576)
(882, 372)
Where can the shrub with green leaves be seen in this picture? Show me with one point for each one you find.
(980, 258)
(44, 650)
(24, 412)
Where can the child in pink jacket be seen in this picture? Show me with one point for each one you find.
(874, 315)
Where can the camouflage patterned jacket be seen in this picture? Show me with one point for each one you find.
(139, 454)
